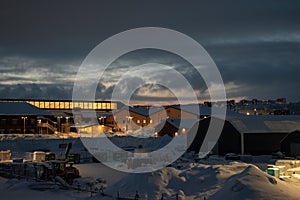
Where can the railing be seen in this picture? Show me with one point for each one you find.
(49, 124)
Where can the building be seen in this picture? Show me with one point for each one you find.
(258, 107)
(255, 135)
(183, 111)
(69, 104)
(174, 127)
(20, 117)
(263, 134)
(61, 113)
(130, 118)
(228, 142)
(290, 144)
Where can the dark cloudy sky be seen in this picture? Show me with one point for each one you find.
(255, 44)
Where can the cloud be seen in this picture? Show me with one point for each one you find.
(34, 91)
(255, 45)
(26, 70)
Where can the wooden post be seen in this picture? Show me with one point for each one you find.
(78, 187)
(91, 191)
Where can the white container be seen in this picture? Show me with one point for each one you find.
(282, 170)
(5, 155)
(273, 172)
(39, 156)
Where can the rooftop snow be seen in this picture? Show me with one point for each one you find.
(20, 108)
(266, 123)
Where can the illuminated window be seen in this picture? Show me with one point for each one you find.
(67, 105)
(37, 104)
(62, 105)
(103, 105)
(78, 105)
(95, 106)
(144, 121)
(108, 105)
(71, 105)
(81, 104)
(51, 105)
(113, 106)
(91, 105)
(47, 104)
(85, 105)
(42, 104)
(56, 105)
(138, 121)
(150, 121)
(31, 102)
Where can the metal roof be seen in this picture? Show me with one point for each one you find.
(205, 110)
(20, 108)
(141, 111)
(266, 123)
(182, 123)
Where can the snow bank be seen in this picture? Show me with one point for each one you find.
(198, 181)
(252, 183)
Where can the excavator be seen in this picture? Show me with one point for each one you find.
(62, 168)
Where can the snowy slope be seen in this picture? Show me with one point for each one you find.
(198, 181)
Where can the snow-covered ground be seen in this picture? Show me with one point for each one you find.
(214, 178)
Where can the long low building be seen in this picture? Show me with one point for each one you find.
(68, 104)
(20, 117)
(255, 135)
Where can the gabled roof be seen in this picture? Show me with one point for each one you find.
(266, 123)
(205, 110)
(182, 123)
(20, 108)
(141, 111)
(191, 108)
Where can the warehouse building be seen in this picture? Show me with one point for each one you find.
(255, 135)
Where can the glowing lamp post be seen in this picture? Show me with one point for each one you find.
(59, 123)
(129, 119)
(24, 120)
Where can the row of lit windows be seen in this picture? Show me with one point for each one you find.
(144, 121)
(71, 105)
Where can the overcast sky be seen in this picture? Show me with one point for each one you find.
(255, 44)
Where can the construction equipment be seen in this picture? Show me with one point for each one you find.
(63, 168)
(39, 167)
(59, 168)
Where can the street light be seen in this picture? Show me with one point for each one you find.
(101, 120)
(58, 123)
(67, 120)
(67, 125)
(24, 118)
(129, 119)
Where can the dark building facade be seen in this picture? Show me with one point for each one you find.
(262, 143)
(255, 135)
(19, 117)
(229, 140)
(290, 144)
